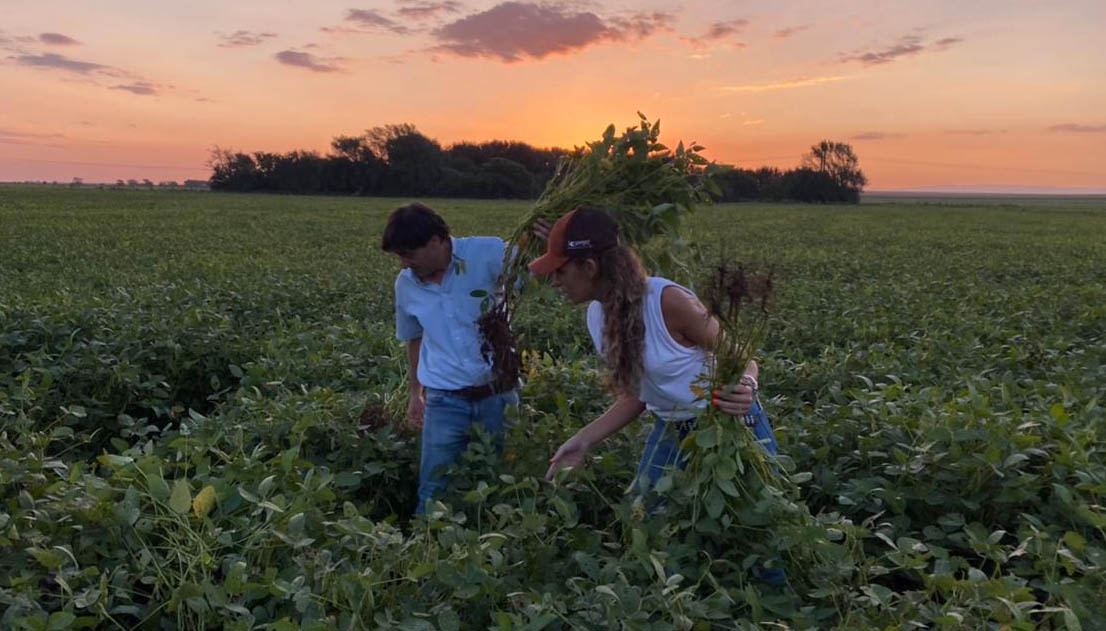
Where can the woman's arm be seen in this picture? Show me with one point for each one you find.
(690, 324)
(625, 409)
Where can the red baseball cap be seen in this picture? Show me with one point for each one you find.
(576, 234)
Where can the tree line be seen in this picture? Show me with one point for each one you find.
(400, 161)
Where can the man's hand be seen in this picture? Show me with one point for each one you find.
(541, 230)
(416, 406)
(570, 454)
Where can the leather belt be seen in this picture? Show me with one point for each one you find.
(475, 393)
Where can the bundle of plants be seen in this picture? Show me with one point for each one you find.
(645, 186)
(733, 487)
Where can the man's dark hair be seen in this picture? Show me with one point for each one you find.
(410, 227)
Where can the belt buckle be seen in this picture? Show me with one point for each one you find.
(477, 393)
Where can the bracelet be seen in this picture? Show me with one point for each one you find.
(750, 380)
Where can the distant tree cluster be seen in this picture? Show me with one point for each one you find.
(398, 160)
(829, 173)
(394, 160)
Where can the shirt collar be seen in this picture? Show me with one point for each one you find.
(457, 262)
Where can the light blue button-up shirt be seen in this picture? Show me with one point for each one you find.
(444, 315)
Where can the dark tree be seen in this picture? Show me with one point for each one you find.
(838, 160)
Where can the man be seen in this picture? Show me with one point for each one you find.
(451, 384)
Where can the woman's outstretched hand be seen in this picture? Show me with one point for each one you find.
(570, 454)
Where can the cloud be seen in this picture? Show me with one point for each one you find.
(717, 32)
(1079, 129)
(513, 31)
(805, 82)
(59, 62)
(784, 33)
(12, 137)
(13, 39)
(974, 132)
(907, 46)
(96, 73)
(57, 39)
(241, 38)
(721, 30)
(141, 88)
(372, 19)
(759, 121)
(875, 135)
(308, 61)
(428, 10)
(639, 25)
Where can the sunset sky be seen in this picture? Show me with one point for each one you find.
(968, 93)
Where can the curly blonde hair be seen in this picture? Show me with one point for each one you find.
(621, 286)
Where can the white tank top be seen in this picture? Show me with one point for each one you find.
(670, 367)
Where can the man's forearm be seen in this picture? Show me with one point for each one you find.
(413, 348)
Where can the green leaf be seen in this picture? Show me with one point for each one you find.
(728, 487)
(115, 461)
(158, 488)
(706, 438)
(49, 559)
(448, 620)
(60, 620)
(715, 503)
(266, 486)
(128, 510)
(181, 498)
(235, 582)
(664, 485)
(1059, 414)
(1075, 541)
(1071, 621)
(295, 525)
(284, 624)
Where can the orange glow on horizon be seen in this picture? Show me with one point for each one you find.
(928, 96)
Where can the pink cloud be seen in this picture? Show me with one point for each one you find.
(59, 62)
(513, 31)
(373, 19)
(1079, 129)
(907, 46)
(57, 39)
(308, 61)
(784, 33)
(242, 38)
(428, 10)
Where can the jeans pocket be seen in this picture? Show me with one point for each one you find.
(435, 397)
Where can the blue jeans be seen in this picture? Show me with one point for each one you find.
(662, 452)
(447, 421)
(662, 449)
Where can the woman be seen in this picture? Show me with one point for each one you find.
(655, 337)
